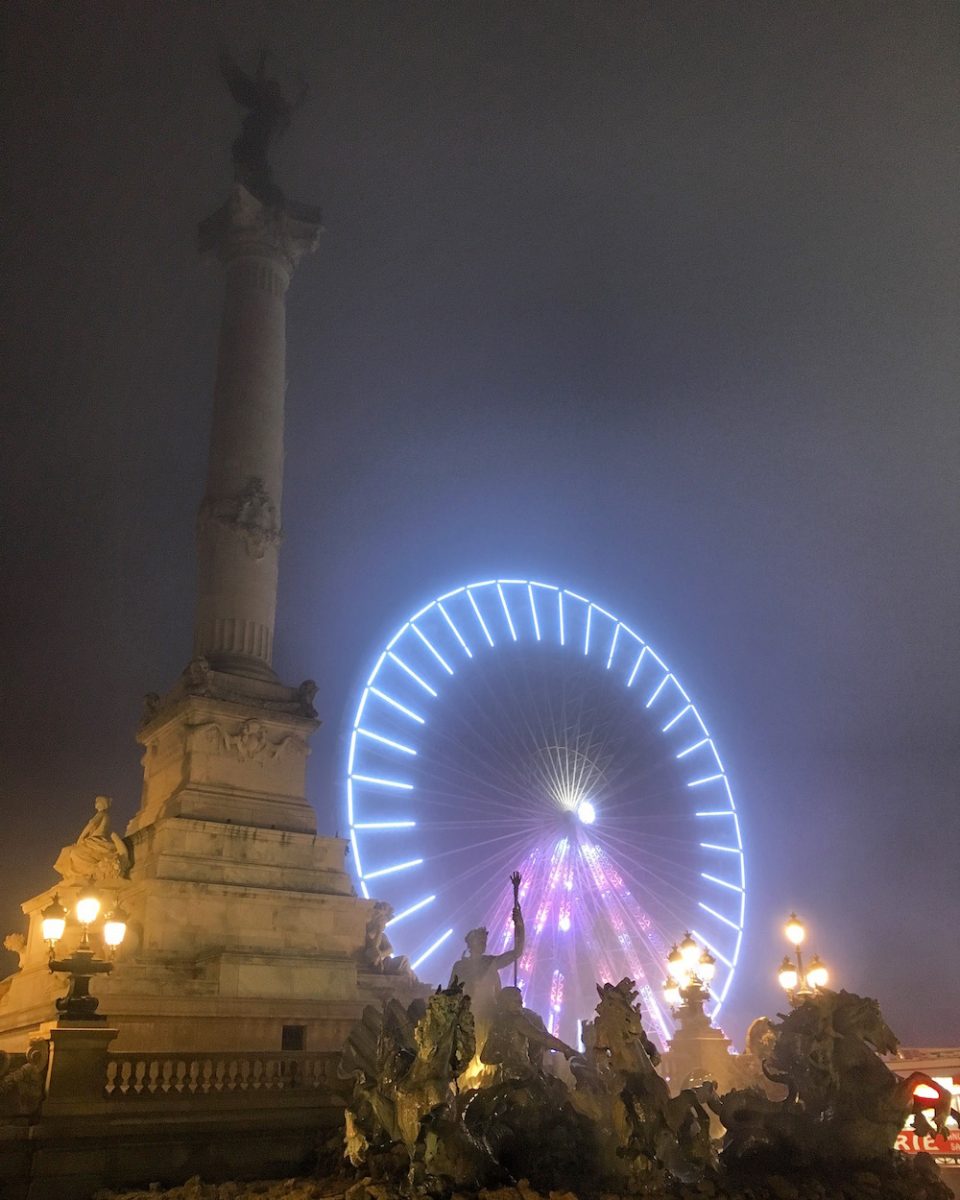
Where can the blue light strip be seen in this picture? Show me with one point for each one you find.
(356, 853)
(563, 639)
(726, 849)
(613, 645)
(706, 779)
(690, 749)
(533, 610)
(404, 866)
(726, 920)
(385, 825)
(413, 675)
(586, 639)
(483, 624)
(670, 724)
(433, 650)
(716, 812)
(660, 686)
(656, 657)
(636, 666)
(376, 737)
(397, 636)
(408, 911)
(455, 630)
(378, 782)
(436, 946)
(506, 612)
(396, 704)
(734, 887)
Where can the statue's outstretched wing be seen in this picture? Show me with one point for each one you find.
(242, 87)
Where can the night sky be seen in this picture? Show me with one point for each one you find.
(657, 300)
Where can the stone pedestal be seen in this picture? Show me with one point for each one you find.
(239, 761)
(76, 1068)
(699, 1050)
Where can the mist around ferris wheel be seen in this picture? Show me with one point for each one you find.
(517, 725)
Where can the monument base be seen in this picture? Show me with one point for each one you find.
(238, 938)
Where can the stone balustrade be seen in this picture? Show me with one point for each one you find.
(132, 1075)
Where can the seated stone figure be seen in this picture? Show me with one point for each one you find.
(98, 854)
(518, 1039)
(377, 952)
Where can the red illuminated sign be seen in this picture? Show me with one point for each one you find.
(947, 1146)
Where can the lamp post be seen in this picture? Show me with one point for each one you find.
(82, 964)
(800, 984)
(698, 1050)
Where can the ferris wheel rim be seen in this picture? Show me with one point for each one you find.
(428, 688)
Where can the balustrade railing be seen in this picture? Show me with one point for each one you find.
(131, 1075)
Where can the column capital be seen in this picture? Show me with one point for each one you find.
(248, 226)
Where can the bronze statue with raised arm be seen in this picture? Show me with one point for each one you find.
(479, 972)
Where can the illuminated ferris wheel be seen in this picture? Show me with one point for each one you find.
(517, 725)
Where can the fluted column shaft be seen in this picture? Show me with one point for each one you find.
(238, 526)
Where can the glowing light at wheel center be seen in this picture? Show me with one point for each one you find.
(586, 812)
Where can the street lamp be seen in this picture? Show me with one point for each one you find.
(82, 965)
(797, 983)
(689, 971)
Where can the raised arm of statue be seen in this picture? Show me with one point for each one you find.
(508, 956)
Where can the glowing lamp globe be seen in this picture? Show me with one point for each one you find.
(115, 927)
(707, 966)
(794, 930)
(689, 952)
(88, 908)
(671, 992)
(675, 962)
(54, 921)
(787, 975)
(818, 974)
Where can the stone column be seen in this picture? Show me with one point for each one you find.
(238, 526)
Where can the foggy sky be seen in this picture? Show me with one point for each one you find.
(656, 300)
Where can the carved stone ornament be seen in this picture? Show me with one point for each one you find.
(197, 677)
(250, 742)
(152, 704)
(306, 693)
(251, 514)
(98, 855)
(16, 943)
